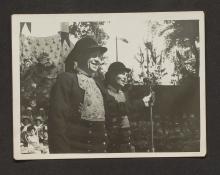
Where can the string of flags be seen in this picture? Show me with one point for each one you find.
(22, 24)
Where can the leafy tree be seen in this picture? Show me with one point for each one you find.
(174, 40)
(79, 29)
(151, 55)
(141, 60)
(180, 32)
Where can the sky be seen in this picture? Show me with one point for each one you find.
(134, 31)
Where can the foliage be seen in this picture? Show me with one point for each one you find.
(151, 62)
(175, 41)
(37, 70)
(36, 82)
(184, 34)
(79, 29)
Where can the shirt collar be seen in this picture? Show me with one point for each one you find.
(111, 88)
(80, 71)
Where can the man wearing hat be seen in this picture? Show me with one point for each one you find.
(76, 122)
(121, 108)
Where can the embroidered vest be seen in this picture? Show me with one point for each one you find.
(92, 108)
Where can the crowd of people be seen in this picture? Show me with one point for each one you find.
(34, 133)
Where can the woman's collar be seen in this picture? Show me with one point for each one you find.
(113, 89)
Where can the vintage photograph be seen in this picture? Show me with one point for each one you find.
(110, 85)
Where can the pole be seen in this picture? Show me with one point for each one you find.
(116, 43)
(152, 120)
(152, 129)
(151, 117)
(147, 59)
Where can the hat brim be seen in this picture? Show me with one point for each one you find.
(101, 49)
(125, 69)
(73, 53)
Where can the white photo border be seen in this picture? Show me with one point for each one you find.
(187, 15)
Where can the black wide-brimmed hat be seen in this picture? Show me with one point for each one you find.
(117, 67)
(114, 69)
(85, 45)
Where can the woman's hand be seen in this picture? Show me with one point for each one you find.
(149, 99)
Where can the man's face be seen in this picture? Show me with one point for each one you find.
(94, 61)
(121, 79)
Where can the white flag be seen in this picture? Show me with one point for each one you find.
(124, 40)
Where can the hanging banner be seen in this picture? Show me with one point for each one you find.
(64, 33)
(65, 37)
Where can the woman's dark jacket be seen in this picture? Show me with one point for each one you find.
(120, 139)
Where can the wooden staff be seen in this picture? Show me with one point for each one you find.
(152, 122)
(116, 45)
(150, 84)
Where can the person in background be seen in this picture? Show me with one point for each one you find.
(29, 112)
(42, 133)
(76, 121)
(45, 135)
(45, 148)
(25, 123)
(32, 140)
(120, 108)
(39, 122)
(43, 114)
(39, 125)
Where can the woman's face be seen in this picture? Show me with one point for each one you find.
(26, 122)
(31, 133)
(38, 122)
(121, 79)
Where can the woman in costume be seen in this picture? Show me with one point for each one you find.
(121, 107)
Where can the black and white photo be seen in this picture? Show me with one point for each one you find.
(108, 85)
